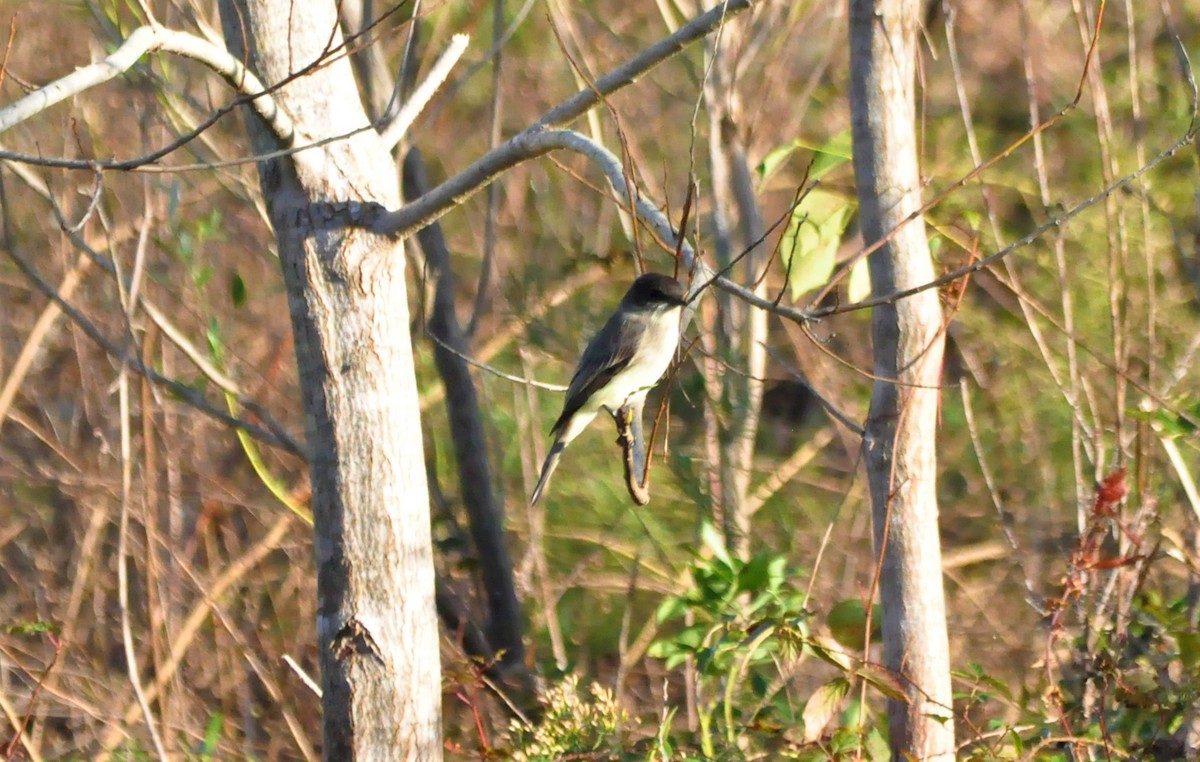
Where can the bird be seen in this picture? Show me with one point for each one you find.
(621, 363)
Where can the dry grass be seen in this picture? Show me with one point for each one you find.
(221, 584)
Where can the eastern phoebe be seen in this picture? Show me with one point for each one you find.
(622, 362)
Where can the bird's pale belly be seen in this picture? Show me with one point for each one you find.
(646, 367)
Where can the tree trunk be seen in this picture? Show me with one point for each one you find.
(376, 625)
(743, 329)
(484, 507)
(907, 336)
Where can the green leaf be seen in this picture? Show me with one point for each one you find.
(844, 742)
(712, 539)
(212, 736)
(209, 227)
(812, 238)
(28, 629)
(664, 733)
(203, 276)
(775, 157)
(999, 686)
(1189, 649)
(216, 346)
(885, 682)
(707, 657)
(777, 571)
(859, 287)
(877, 746)
(714, 580)
(847, 622)
(1017, 744)
(829, 651)
(822, 706)
(856, 714)
(826, 157)
(671, 608)
(237, 290)
(674, 660)
(692, 637)
(833, 153)
(759, 685)
(753, 576)
(1170, 425)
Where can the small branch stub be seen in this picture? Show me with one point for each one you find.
(629, 437)
(354, 639)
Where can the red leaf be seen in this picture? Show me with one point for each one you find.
(1110, 493)
(1113, 563)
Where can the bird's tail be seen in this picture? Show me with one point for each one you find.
(548, 469)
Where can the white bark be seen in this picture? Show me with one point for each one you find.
(148, 39)
(376, 626)
(743, 328)
(396, 129)
(900, 441)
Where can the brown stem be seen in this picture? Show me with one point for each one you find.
(629, 437)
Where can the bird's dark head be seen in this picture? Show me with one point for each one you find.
(655, 290)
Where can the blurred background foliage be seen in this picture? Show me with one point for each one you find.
(1069, 360)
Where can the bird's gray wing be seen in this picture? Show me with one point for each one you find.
(606, 355)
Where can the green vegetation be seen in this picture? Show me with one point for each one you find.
(1068, 442)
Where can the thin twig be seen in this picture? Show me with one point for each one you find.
(783, 473)
(1022, 242)
(149, 39)
(131, 661)
(830, 408)
(185, 636)
(395, 130)
(275, 435)
(484, 170)
(503, 336)
(544, 142)
(21, 724)
(1031, 595)
(268, 682)
(304, 676)
(979, 169)
(483, 289)
(494, 370)
(37, 335)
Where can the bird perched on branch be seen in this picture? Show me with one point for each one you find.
(622, 362)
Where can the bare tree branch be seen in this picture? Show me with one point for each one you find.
(429, 207)
(275, 435)
(540, 143)
(1025, 240)
(633, 446)
(479, 497)
(394, 131)
(150, 39)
